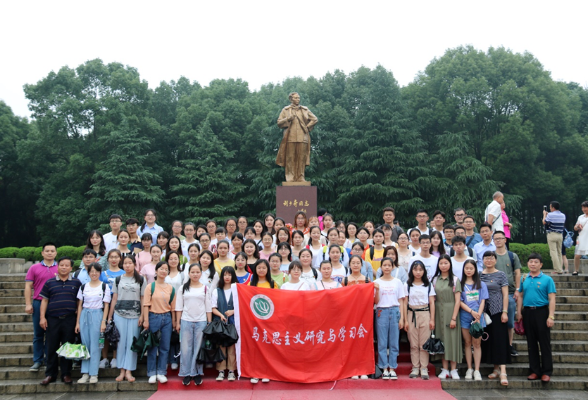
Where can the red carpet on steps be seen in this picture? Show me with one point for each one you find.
(403, 388)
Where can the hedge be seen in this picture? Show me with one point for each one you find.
(34, 253)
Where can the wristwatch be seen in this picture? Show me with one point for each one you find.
(505, 311)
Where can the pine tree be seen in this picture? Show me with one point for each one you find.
(126, 183)
(207, 179)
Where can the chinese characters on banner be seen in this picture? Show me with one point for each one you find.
(305, 336)
(291, 199)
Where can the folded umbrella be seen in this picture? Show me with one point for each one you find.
(145, 341)
(434, 345)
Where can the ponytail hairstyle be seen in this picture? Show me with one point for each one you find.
(168, 249)
(263, 228)
(287, 231)
(268, 276)
(441, 248)
(475, 277)
(309, 252)
(312, 228)
(264, 234)
(450, 272)
(211, 267)
(256, 252)
(358, 257)
(273, 230)
(425, 278)
(136, 275)
(167, 255)
(335, 246)
(299, 233)
(186, 285)
(117, 251)
(285, 245)
(230, 270)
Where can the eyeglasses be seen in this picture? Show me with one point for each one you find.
(499, 238)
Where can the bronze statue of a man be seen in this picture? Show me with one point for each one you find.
(294, 152)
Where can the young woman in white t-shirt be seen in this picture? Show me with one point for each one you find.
(420, 317)
(309, 274)
(297, 243)
(294, 282)
(389, 319)
(339, 271)
(315, 246)
(404, 252)
(326, 282)
(193, 311)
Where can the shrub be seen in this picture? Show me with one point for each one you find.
(27, 253)
(68, 251)
(570, 252)
(37, 254)
(522, 251)
(543, 249)
(8, 252)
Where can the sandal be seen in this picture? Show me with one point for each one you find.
(494, 374)
(130, 377)
(575, 273)
(503, 380)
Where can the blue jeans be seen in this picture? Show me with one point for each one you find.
(39, 345)
(90, 321)
(512, 308)
(157, 365)
(191, 333)
(387, 329)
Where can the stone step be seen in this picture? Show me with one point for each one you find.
(571, 316)
(558, 357)
(12, 308)
(13, 300)
(16, 337)
(558, 307)
(22, 372)
(12, 277)
(16, 317)
(28, 386)
(14, 360)
(572, 292)
(518, 382)
(570, 346)
(522, 369)
(16, 348)
(571, 285)
(16, 327)
(574, 335)
(571, 300)
(12, 292)
(570, 278)
(12, 285)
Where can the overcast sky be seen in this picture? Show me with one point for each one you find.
(268, 41)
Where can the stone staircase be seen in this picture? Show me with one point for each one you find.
(16, 350)
(569, 341)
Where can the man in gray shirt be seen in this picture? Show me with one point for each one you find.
(509, 263)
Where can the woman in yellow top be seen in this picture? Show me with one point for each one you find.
(223, 259)
(261, 276)
(159, 305)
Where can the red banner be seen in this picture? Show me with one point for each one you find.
(305, 336)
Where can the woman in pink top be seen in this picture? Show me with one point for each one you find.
(148, 270)
(144, 257)
(507, 225)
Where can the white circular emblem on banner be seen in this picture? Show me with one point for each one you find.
(262, 306)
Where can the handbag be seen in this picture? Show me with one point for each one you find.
(73, 351)
(519, 328)
(434, 345)
(487, 319)
(112, 335)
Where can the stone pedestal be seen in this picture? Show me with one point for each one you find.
(13, 266)
(292, 198)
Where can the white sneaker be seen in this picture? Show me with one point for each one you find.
(355, 377)
(386, 374)
(454, 374)
(254, 380)
(414, 373)
(84, 378)
(477, 376)
(113, 363)
(468, 375)
(153, 379)
(265, 380)
(363, 377)
(174, 366)
(162, 378)
(424, 374)
(103, 363)
(231, 376)
(221, 376)
(393, 375)
(94, 379)
(444, 374)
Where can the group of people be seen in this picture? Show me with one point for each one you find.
(440, 278)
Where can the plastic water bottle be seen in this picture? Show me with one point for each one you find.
(101, 340)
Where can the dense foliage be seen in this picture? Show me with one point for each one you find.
(472, 122)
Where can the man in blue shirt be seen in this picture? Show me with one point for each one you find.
(485, 245)
(536, 306)
(58, 318)
(82, 274)
(554, 222)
